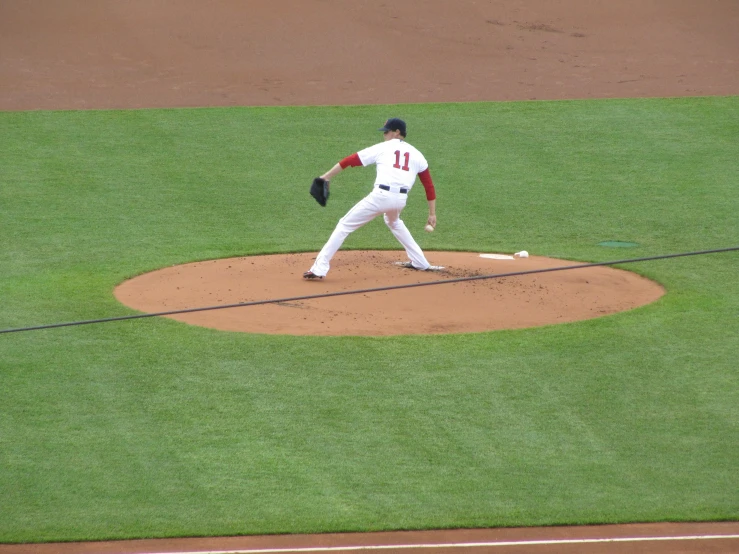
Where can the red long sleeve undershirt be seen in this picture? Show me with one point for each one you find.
(352, 161)
(424, 176)
(428, 184)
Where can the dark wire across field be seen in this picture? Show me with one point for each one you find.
(363, 291)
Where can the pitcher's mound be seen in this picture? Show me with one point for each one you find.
(460, 307)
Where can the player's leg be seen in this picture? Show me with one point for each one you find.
(404, 237)
(362, 213)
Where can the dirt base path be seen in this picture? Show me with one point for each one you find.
(76, 54)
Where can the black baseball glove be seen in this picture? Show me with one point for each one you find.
(319, 190)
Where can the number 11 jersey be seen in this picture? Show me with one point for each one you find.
(397, 162)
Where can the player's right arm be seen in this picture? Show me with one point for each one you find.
(349, 161)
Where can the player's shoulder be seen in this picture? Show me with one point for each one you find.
(371, 150)
(392, 146)
(385, 146)
(377, 146)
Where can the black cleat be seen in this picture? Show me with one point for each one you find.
(409, 265)
(310, 275)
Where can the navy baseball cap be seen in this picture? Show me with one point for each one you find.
(394, 124)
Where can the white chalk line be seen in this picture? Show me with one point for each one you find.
(457, 545)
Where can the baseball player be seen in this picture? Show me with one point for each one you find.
(398, 163)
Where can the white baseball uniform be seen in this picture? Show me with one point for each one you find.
(398, 164)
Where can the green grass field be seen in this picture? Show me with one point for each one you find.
(152, 428)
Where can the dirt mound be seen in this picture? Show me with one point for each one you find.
(443, 307)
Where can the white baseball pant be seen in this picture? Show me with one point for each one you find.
(375, 203)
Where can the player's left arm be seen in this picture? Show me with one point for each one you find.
(428, 185)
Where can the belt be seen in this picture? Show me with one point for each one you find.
(401, 190)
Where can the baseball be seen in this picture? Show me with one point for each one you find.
(428, 228)
(522, 254)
